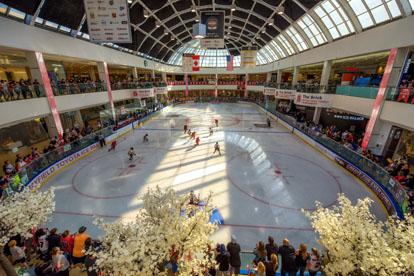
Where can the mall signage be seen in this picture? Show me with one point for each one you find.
(313, 100)
(248, 58)
(187, 62)
(285, 94)
(161, 90)
(108, 21)
(214, 22)
(269, 91)
(143, 93)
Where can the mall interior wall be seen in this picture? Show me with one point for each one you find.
(373, 40)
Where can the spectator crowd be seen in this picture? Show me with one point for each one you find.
(49, 252)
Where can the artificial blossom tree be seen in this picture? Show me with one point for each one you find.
(357, 243)
(167, 231)
(19, 213)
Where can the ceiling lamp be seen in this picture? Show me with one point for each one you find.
(172, 38)
(193, 8)
(233, 7)
(166, 33)
(146, 14)
(199, 30)
(280, 10)
(271, 22)
(157, 24)
(263, 31)
(197, 19)
(230, 27)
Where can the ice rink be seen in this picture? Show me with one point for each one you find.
(262, 180)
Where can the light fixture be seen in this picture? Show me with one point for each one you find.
(193, 8)
(129, 1)
(166, 33)
(157, 24)
(230, 27)
(146, 14)
(280, 10)
(172, 38)
(197, 19)
(263, 31)
(271, 21)
(233, 7)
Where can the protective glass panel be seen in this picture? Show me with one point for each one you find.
(311, 30)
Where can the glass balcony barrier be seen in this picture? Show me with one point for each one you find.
(372, 169)
(17, 91)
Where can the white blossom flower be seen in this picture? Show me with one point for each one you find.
(144, 246)
(22, 211)
(357, 243)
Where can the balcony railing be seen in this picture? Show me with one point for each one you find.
(374, 170)
(20, 92)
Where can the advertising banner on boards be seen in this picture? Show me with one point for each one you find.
(108, 21)
(313, 100)
(143, 93)
(214, 21)
(285, 94)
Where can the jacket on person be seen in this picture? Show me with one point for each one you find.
(234, 249)
(288, 258)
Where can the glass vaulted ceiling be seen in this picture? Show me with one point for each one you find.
(327, 21)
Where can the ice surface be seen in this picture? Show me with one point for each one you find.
(260, 182)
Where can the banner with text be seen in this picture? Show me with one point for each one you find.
(285, 94)
(187, 63)
(161, 90)
(313, 100)
(108, 21)
(214, 21)
(143, 93)
(248, 58)
(269, 91)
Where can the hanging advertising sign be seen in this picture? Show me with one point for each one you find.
(108, 21)
(161, 90)
(214, 22)
(248, 58)
(187, 62)
(143, 93)
(313, 100)
(285, 94)
(269, 91)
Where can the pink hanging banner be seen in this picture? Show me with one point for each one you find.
(109, 90)
(49, 92)
(186, 84)
(379, 100)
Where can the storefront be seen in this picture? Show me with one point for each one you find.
(343, 121)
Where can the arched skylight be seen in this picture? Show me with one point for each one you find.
(213, 57)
